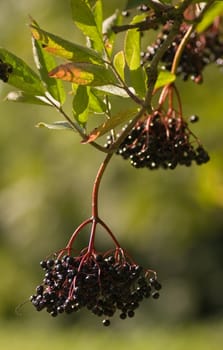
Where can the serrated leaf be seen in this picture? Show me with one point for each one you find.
(164, 78)
(81, 105)
(21, 96)
(60, 125)
(110, 124)
(119, 63)
(46, 62)
(63, 48)
(22, 76)
(215, 10)
(84, 74)
(84, 19)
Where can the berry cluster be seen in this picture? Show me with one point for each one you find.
(201, 50)
(103, 284)
(161, 141)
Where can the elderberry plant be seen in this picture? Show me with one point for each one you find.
(157, 134)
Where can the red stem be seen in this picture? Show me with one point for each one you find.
(76, 232)
(97, 184)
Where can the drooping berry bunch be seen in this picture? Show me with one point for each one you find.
(102, 283)
(201, 49)
(162, 141)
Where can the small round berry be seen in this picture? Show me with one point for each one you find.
(106, 322)
(155, 295)
(194, 118)
(131, 313)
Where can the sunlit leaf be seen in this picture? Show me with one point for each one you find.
(84, 19)
(63, 48)
(22, 76)
(110, 124)
(119, 63)
(215, 10)
(81, 104)
(21, 96)
(60, 125)
(164, 78)
(132, 46)
(96, 103)
(84, 74)
(98, 14)
(46, 62)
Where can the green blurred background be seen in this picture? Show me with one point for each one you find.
(171, 221)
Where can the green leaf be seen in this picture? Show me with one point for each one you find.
(98, 14)
(108, 32)
(84, 19)
(138, 81)
(21, 96)
(119, 63)
(22, 76)
(46, 62)
(132, 46)
(110, 124)
(60, 125)
(84, 74)
(215, 10)
(63, 48)
(96, 103)
(164, 78)
(81, 105)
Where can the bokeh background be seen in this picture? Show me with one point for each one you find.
(171, 221)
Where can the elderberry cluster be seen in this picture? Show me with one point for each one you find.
(102, 284)
(201, 50)
(161, 142)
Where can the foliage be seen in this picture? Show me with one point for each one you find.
(98, 75)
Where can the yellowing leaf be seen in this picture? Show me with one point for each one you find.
(63, 48)
(84, 74)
